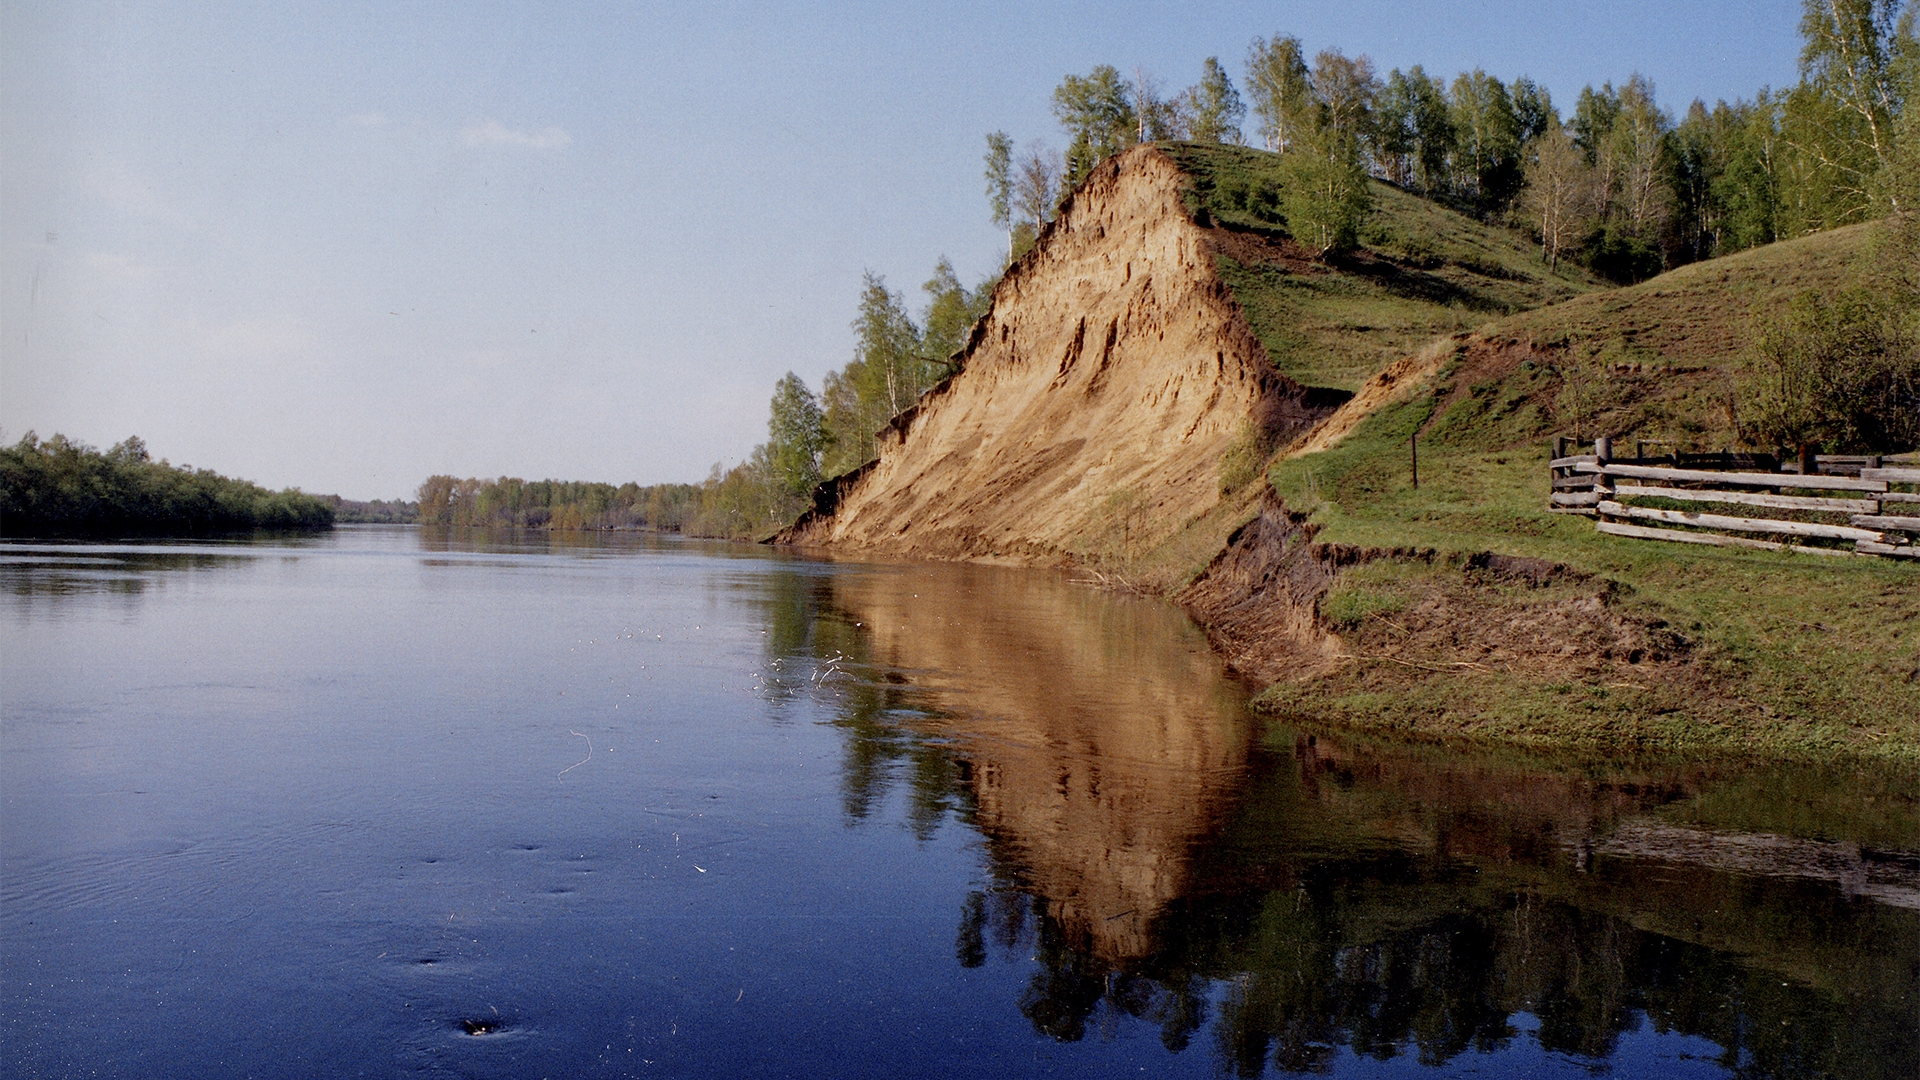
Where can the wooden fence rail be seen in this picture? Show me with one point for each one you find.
(1867, 504)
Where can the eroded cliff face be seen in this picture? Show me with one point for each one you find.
(1095, 402)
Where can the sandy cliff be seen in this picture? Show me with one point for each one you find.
(1096, 399)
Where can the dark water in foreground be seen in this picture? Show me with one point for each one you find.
(386, 803)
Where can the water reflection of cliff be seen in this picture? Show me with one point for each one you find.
(1291, 898)
(1093, 738)
(1101, 741)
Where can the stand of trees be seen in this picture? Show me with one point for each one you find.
(61, 488)
(812, 437)
(1620, 186)
(372, 512)
(1841, 373)
(512, 503)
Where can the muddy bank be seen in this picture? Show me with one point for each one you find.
(1261, 604)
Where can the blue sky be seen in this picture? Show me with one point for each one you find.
(346, 246)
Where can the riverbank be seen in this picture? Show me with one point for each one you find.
(1566, 640)
(1181, 403)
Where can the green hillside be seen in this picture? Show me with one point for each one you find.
(1783, 654)
(1421, 270)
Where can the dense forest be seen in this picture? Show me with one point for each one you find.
(57, 487)
(1621, 186)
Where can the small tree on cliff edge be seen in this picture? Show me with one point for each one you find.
(1098, 112)
(1000, 184)
(797, 436)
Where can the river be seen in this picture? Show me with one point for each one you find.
(392, 802)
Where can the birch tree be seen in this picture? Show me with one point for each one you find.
(1557, 198)
(1214, 106)
(1850, 58)
(1097, 111)
(1277, 83)
(1000, 184)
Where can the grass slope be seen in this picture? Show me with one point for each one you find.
(1787, 654)
(1422, 270)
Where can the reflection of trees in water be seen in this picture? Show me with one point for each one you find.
(1381, 958)
(83, 570)
(1313, 924)
(816, 649)
(1068, 986)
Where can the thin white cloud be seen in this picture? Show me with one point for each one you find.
(494, 133)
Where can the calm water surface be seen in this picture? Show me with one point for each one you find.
(396, 803)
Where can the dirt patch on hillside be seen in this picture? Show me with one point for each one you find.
(1251, 248)
(1569, 631)
(1402, 377)
(1259, 599)
(1263, 602)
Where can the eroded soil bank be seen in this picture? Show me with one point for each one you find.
(1096, 401)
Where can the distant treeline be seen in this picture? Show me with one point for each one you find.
(375, 512)
(510, 502)
(58, 488)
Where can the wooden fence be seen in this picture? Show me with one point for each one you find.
(1842, 505)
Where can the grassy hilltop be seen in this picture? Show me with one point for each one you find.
(1422, 269)
(1794, 655)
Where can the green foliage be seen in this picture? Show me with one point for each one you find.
(1413, 131)
(63, 488)
(1745, 198)
(951, 311)
(1487, 142)
(797, 433)
(1277, 83)
(1619, 256)
(510, 502)
(1841, 374)
(372, 512)
(1214, 106)
(1325, 195)
(1000, 177)
(1897, 248)
(1851, 65)
(1097, 110)
(895, 361)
